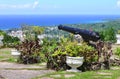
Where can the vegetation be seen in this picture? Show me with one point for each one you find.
(30, 47)
(117, 51)
(5, 55)
(31, 32)
(56, 59)
(108, 35)
(10, 41)
(74, 50)
(115, 24)
(48, 48)
(118, 31)
(101, 74)
(2, 33)
(37, 31)
(30, 52)
(54, 51)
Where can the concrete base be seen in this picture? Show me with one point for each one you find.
(73, 70)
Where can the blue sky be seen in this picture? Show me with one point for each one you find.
(60, 7)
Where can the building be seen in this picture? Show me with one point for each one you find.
(18, 34)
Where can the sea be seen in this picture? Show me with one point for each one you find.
(16, 21)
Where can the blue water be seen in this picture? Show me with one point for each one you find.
(15, 21)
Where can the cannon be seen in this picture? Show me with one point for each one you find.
(87, 35)
(97, 43)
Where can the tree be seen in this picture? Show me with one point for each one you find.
(37, 30)
(108, 35)
(30, 31)
(2, 32)
(10, 41)
(118, 31)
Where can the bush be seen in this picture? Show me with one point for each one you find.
(2, 33)
(108, 35)
(10, 41)
(30, 51)
(31, 32)
(57, 58)
(117, 51)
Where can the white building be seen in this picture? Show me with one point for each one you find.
(41, 36)
(18, 34)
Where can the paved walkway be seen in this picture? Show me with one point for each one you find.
(21, 71)
(18, 66)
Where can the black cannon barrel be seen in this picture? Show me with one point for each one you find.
(87, 35)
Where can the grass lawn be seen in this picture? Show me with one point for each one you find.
(5, 55)
(101, 74)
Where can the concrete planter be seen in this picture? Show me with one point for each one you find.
(74, 62)
(15, 53)
(118, 38)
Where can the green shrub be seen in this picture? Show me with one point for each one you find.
(10, 41)
(31, 32)
(108, 35)
(117, 51)
(30, 51)
(57, 58)
(2, 33)
(74, 50)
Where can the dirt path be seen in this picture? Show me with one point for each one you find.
(20, 71)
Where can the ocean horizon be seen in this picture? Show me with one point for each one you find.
(16, 21)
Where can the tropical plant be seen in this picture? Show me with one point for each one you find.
(31, 32)
(72, 49)
(37, 30)
(57, 58)
(2, 33)
(10, 41)
(117, 51)
(30, 51)
(118, 31)
(108, 35)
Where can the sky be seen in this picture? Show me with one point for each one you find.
(95, 7)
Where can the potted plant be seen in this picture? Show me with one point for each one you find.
(58, 59)
(75, 54)
(73, 57)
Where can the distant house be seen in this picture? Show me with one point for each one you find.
(41, 36)
(18, 34)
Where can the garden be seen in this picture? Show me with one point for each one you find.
(99, 59)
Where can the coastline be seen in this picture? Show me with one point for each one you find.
(16, 21)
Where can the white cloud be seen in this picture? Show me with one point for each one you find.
(20, 6)
(118, 3)
(36, 3)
